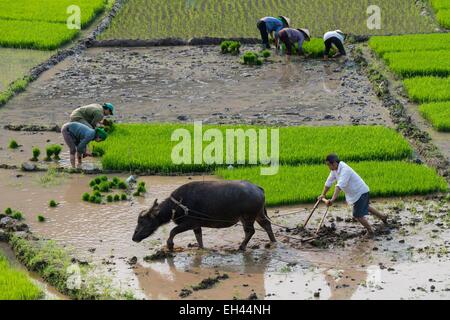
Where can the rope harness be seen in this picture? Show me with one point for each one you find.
(186, 214)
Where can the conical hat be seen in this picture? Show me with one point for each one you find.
(287, 20)
(306, 32)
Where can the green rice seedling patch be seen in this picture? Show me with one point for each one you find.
(13, 144)
(438, 114)
(42, 24)
(14, 88)
(302, 184)
(16, 63)
(428, 89)
(36, 153)
(49, 10)
(102, 184)
(412, 43)
(252, 58)
(312, 49)
(231, 47)
(53, 150)
(52, 204)
(443, 17)
(35, 34)
(442, 8)
(419, 63)
(143, 19)
(15, 214)
(15, 284)
(149, 147)
(440, 4)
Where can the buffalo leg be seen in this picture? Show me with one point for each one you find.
(266, 225)
(198, 236)
(249, 230)
(178, 229)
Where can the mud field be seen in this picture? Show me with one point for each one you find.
(167, 84)
(407, 260)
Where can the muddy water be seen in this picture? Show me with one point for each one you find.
(384, 268)
(161, 84)
(27, 141)
(440, 139)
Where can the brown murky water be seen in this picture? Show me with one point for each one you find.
(384, 268)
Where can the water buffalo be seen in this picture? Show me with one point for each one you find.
(210, 204)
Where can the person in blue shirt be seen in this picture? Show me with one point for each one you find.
(77, 136)
(271, 25)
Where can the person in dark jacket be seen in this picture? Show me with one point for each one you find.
(272, 25)
(77, 136)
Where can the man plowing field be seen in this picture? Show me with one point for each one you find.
(355, 189)
(334, 38)
(91, 115)
(272, 25)
(77, 136)
(289, 37)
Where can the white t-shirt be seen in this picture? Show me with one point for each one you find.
(332, 34)
(348, 181)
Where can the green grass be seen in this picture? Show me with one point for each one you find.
(425, 58)
(428, 89)
(419, 63)
(15, 284)
(49, 10)
(303, 184)
(415, 42)
(34, 34)
(51, 262)
(148, 147)
(14, 88)
(438, 114)
(150, 19)
(440, 4)
(42, 24)
(443, 17)
(442, 8)
(16, 63)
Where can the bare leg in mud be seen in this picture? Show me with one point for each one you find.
(378, 214)
(366, 225)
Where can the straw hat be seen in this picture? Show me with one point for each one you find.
(306, 32)
(339, 31)
(287, 20)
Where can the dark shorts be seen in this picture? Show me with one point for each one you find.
(284, 37)
(361, 207)
(333, 40)
(264, 34)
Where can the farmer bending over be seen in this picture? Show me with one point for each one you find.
(290, 37)
(270, 25)
(355, 189)
(77, 136)
(91, 115)
(335, 38)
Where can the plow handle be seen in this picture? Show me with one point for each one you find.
(312, 212)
